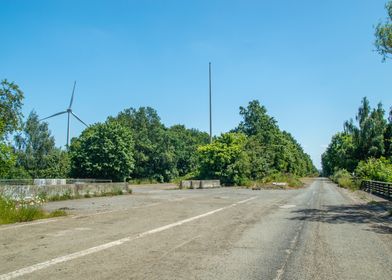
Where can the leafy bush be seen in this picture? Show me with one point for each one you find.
(12, 211)
(375, 169)
(103, 151)
(344, 179)
(291, 180)
(225, 159)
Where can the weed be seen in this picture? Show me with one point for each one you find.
(65, 196)
(57, 213)
(13, 211)
(373, 202)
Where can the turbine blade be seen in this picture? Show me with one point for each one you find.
(53, 115)
(79, 119)
(72, 97)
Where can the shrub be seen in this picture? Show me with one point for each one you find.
(344, 179)
(24, 210)
(291, 180)
(225, 159)
(375, 169)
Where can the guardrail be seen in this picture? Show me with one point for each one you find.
(44, 182)
(376, 187)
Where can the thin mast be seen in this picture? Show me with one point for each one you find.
(209, 68)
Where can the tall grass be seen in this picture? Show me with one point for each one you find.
(12, 211)
(345, 180)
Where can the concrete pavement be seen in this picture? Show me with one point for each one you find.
(314, 233)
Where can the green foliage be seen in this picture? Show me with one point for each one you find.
(344, 179)
(383, 34)
(291, 180)
(375, 169)
(185, 143)
(58, 165)
(153, 151)
(269, 149)
(11, 98)
(225, 159)
(59, 197)
(12, 211)
(339, 154)
(36, 151)
(103, 151)
(161, 153)
(370, 138)
(7, 160)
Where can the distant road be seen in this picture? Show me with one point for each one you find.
(228, 233)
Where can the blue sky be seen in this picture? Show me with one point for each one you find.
(309, 62)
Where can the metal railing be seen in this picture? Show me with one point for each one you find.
(376, 187)
(24, 182)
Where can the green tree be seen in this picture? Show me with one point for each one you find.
(154, 153)
(185, 142)
(256, 121)
(368, 136)
(375, 169)
(383, 34)
(7, 161)
(103, 151)
(34, 146)
(270, 149)
(339, 154)
(11, 98)
(58, 165)
(225, 159)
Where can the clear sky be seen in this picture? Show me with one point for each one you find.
(308, 61)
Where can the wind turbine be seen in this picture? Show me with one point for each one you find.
(69, 112)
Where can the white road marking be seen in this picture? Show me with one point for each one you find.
(179, 246)
(28, 224)
(67, 231)
(287, 206)
(92, 250)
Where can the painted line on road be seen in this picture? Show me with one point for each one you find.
(179, 246)
(46, 221)
(92, 250)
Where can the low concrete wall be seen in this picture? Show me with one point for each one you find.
(73, 190)
(200, 184)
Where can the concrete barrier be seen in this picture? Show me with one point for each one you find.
(70, 190)
(200, 184)
(205, 184)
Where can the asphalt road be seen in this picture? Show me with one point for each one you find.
(318, 232)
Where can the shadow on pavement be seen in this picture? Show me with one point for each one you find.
(372, 214)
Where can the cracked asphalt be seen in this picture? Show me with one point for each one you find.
(319, 232)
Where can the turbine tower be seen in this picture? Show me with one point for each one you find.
(69, 112)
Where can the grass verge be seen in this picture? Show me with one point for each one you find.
(12, 211)
(277, 181)
(68, 195)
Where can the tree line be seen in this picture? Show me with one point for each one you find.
(136, 145)
(364, 148)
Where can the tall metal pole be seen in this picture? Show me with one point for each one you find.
(68, 131)
(209, 68)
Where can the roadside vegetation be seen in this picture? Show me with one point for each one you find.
(68, 195)
(24, 210)
(136, 146)
(363, 151)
